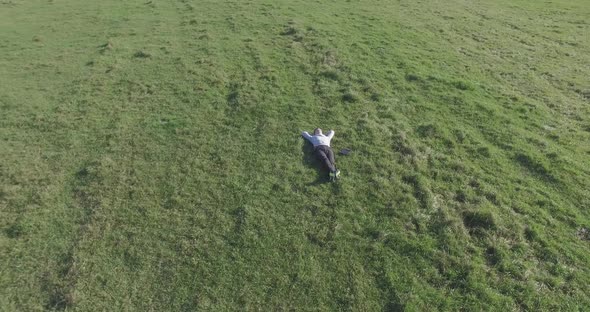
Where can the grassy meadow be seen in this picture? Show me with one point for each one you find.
(151, 158)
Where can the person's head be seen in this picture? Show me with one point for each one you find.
(317, 131)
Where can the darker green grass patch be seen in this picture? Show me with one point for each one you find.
(531, 234)
(421, 189)
(15, 230)
(289, 30)
(375, 96)
(461, 196)
(293, 32)
(350, 96)
(494, 255)
(142, 54)
(535, 167)
(85, 186)
(584, 93)
(483, 151)
(462, 85)
(479, 220)
(427, 130)
(413, 78)
(233, 96)
(331, 74)
(58, 299)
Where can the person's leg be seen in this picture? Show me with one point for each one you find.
(335, 173)
(321, 154)
(330, 154)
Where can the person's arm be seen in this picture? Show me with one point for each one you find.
(330, 134)
(306, 135)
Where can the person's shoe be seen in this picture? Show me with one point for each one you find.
(334, 175)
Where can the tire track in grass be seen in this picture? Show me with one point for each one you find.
(86, 194)
(93, 125)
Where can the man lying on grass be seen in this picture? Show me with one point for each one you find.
(323, 151)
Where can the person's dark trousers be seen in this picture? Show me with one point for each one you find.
(325, 154)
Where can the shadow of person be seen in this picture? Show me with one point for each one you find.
(310, 160)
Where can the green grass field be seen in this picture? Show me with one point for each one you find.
(151, 158)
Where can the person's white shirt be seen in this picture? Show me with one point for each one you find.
(319, 139)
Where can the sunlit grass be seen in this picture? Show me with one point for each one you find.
(150, 156)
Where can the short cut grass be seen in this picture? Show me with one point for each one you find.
(150, 158)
